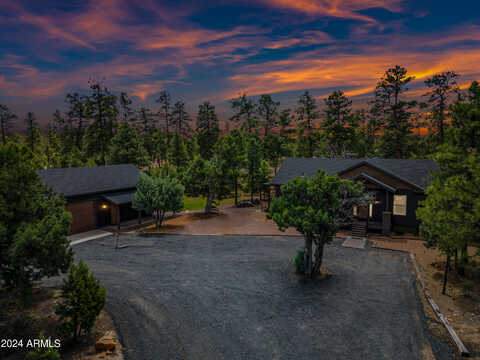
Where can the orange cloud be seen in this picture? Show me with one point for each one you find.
(306, 38)
(343, 70)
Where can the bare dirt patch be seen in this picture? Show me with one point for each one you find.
(39, 318)
(228, 220)
(462, 312)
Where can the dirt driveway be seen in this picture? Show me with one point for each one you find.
(230, 220)
(235, 297)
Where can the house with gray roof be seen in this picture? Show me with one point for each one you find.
(96, 195)
(397, 184)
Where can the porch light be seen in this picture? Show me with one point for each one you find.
(104, 206)
(377, 202)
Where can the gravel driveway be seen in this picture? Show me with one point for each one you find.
(217, 297)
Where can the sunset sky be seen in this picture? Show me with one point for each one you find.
(213, 50)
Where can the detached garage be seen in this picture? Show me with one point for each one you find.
(97, 195)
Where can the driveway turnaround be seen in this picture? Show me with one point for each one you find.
(236, 297)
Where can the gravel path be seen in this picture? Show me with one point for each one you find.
(214, 297)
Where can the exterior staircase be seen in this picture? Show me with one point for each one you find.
(359, 229)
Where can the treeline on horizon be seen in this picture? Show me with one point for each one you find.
(101, 128)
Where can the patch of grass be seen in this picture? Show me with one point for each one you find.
(198, 203)
(194, 203)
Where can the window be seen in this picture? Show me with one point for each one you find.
(400, 205)
(355, 212)
(370, 210)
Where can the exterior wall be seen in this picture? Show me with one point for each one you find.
(378, 174)
(83, 215)
(410, 221)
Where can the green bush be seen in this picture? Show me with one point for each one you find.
(298, 261)
(468, 287)
(43, 353)
(82, 300)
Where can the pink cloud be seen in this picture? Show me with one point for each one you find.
(344, 9)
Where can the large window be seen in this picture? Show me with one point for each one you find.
(400, 205)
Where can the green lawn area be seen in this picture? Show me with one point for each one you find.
(193, 203)
(198, 203)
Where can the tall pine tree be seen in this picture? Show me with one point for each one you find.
(339, 124)
(394, 109)
(268, 113)
(441, 86)
(207, 129)
(32, 131)
(180, 119)
(6, 117)
(245, 114)
(307, 114)
(101, 107)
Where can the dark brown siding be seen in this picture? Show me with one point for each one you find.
(378, 174)
(410, 221)
(83, 216)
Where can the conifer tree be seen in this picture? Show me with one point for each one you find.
(307, 114)
(177, 154)
(466, 119)
(147, 129)
(77, 118)
(389, 102)
(207, 129)
(285, 120)
(245, 114)
(53, 148)
(101, 107)
(82, 300)
(6, 117)
(268, 113)
(441, 86)
(33, 224)
(33, 132)
(254, 162)
(126, 148)
(180, 119)
(164, 99)
(231, 152)
(125, 107)
(339, 124)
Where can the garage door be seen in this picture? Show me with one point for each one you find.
(83, 216)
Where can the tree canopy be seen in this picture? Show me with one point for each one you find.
(33, 224)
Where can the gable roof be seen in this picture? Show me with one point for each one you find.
(90, 180)
(412, 171)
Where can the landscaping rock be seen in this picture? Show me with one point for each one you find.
(107, 342)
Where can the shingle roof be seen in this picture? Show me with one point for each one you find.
(90, 180)
(412, 171)
(120, 197)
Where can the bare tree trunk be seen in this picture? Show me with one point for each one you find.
(317, 268)
(210, 198)
(161, 218)
(463, 260)
(456, 262)
(236, 191)
(447, 268)
(307, 255)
